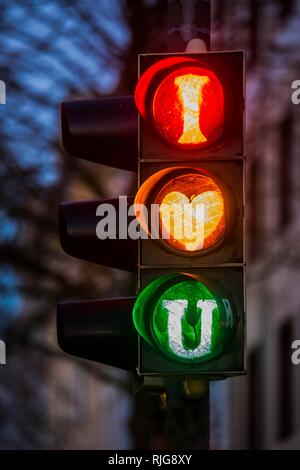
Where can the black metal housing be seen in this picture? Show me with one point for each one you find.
(77, 227)
(99, 330)
(101, 130)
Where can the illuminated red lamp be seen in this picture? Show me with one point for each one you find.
(183, 100)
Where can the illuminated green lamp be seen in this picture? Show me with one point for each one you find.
(181, 316)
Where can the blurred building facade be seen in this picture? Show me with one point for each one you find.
(262, 410)
(52, 52)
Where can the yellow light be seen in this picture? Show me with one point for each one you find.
(190, 97)
(188, 209)
(192, 222)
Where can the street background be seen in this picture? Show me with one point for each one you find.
(58, 50)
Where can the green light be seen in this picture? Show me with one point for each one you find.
(186, 321)
(181, 316)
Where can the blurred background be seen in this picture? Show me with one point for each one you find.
(57, 50)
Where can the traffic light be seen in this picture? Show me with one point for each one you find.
(190, 312)
(191, 106)
(189, 317)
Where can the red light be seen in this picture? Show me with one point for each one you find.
(188, 107)
(183, 100)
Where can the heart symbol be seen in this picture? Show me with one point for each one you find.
(192, 223)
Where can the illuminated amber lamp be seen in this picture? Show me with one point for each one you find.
(191, 209)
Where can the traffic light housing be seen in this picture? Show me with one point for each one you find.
(189, 315)
(78, 236)
(222, 295)
(214, 81)
(99, 330)
(101, 130)
(192, 180)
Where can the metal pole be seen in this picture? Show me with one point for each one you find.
(188, 415)
(188, 20)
